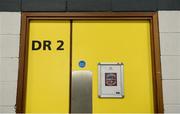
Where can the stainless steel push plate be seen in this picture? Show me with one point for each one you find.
(81, 92)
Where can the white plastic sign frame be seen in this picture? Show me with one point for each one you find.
(111, 80)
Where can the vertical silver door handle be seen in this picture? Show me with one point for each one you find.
(81, 92)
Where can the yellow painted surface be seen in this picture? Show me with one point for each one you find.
(117, 41)
(48, 71)
(93, 41)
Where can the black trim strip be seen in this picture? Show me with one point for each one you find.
(70, 81)
(88, 5)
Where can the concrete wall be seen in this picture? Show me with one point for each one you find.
(169, 25)
(9, 53)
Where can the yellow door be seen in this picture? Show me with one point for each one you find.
(48, 70)
(126, 41)
(94, 41)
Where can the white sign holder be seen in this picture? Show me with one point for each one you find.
(111, 80)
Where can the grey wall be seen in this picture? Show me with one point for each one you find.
(9, 52)
(169, 26)
(88, 5)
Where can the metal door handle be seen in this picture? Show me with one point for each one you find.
(81, 92)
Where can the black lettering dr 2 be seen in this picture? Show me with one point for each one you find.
(46, 45)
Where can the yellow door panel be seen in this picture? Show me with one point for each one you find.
(126, 41)
(48, 69)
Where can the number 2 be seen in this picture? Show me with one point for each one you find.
(61, 45)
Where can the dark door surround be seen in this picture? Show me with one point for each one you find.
(155, 47)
